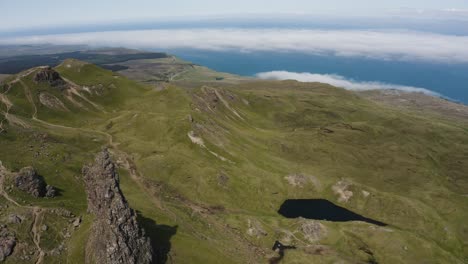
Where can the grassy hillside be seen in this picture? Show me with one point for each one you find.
(208, 168)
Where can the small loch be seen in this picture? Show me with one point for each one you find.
(321, 209)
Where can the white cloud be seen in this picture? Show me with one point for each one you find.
(340, 81)
(374, 44)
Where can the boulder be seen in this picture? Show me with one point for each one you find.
(7, 244)
(14, 219)
(27, 180)
(77, 222)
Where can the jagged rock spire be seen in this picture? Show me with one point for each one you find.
(115, 236)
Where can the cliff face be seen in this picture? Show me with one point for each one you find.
(115, 236)
(49, 75)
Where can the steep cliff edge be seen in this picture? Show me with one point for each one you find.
(115, 236)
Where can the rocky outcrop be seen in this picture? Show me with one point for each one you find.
(52, 102)
(14, 219)
(50, 191)
(341, 188)
(313, 230)
(49, 75)
(116, 236)
(27, 180)
(7, 243)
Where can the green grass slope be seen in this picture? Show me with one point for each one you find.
(208, 168)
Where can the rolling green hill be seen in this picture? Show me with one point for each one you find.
(208, 167)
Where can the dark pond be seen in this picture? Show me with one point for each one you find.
(321, 209)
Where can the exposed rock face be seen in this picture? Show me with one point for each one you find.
(116, 236)
(297, 180)
(255, 229)
(52, 102)
(14, 219)
(341, 188)
(313, 230)
(29, 181)
(50, 191)
(7, 243)
(49, 75)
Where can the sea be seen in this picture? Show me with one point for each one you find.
(447, 79)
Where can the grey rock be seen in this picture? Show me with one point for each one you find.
(50, 191)
(14, 219)
(27, 180)
(7, 245)
(312, 230)
(44, 228)
(77, 222)
(115, 236)
(63, 212)
(49, 75)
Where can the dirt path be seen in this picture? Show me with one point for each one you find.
(127, 162)
(27, 91)
(177, 74)
(4, 99)
(24, 74)
(3, 174)
(37, 214)
(36, 234)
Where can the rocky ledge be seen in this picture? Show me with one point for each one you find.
(115, 236)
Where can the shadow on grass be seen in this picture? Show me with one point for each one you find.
(160, 236)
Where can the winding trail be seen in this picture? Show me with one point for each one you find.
(36, 234)
(3, 173)
(4, 98)
(36, 212)
(126, 161)
(177, 74)
(27, 91)
(128, 164)
(136, 176)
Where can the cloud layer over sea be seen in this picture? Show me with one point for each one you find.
(384, 45)
(340, 81)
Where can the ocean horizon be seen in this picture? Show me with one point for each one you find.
(449, 80)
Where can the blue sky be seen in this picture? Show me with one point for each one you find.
(29, 14)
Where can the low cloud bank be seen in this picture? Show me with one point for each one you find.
(340, 81)
(387, 45)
